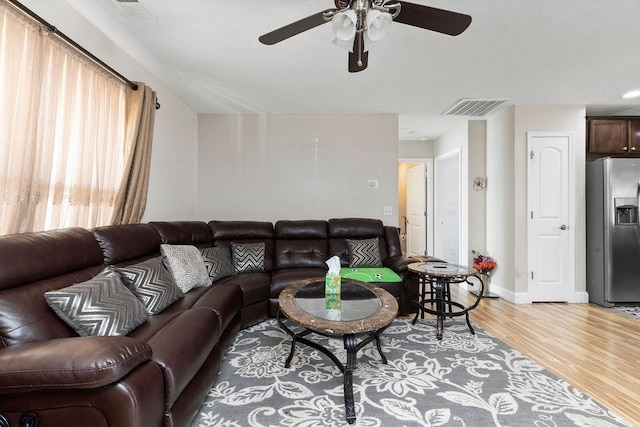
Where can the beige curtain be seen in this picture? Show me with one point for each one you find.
(140, 116)
(70, 132)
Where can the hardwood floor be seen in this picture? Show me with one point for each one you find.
(590, 347)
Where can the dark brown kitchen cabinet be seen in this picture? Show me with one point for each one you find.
(614, 137)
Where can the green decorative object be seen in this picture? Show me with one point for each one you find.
(370, 275)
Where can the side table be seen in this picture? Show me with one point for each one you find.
(435, 279)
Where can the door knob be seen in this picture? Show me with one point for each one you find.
(563, 227)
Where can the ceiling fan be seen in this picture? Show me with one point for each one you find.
(360, 24)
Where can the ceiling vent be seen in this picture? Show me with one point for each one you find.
(136, 9)
(474, 107)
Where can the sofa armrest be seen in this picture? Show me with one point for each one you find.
(398, 263)
(68, 363)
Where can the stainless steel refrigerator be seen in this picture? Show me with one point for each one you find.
(613, 231)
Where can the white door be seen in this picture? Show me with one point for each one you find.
(447, 207)
(417, 210)
(549, 229)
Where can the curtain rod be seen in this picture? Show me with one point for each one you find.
(63, 36)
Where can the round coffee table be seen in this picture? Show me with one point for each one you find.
(361, 309)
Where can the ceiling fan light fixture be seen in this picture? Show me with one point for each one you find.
(378, 24)
(343, 25)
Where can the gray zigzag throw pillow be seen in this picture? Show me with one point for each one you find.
(248, 257)
(217, 263)
(152, 283)
(101, 306)
(364, 253)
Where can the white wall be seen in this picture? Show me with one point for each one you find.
(458, 139)
(288, 166)
(173, 178)
(549, 119)
(500, 219)
(477, 199)
(507, 191)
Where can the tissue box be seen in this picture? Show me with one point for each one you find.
(333, 305)
(333, 302)
(332, 284)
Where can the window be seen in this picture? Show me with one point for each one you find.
(62, 139)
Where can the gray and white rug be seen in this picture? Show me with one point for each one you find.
(634, 310)
(463, 380)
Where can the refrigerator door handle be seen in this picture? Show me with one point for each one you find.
(637, 206)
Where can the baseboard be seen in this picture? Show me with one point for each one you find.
(580, 297)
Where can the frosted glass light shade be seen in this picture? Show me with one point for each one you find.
(343, 25)
(378, 24)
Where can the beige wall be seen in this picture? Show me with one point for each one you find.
(288, 166)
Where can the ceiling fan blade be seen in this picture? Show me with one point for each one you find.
(431, 18)
(358, 60)
(292, 29)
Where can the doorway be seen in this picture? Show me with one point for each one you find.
(448, 207)
(415, 206)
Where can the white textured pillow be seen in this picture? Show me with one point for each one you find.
(186, 266)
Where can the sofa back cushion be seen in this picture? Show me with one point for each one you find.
(301, 244)
(196, 233)
(127, 244)
(341, 229)
(32, 264)
(227, 232)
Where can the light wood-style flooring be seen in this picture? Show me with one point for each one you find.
(590, 347)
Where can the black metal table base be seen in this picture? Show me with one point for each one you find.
(351, 345)
(439, 293)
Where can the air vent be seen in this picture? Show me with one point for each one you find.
(473, 107)
(137, 9)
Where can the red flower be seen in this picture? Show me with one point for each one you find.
(484, 264)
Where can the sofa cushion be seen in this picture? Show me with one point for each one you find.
(102, 306)
(195, 233)
(182, 346)
(122, 243)
(364, 253)
(217, 263)
(152, 283)
(186, 265)
(248, 257)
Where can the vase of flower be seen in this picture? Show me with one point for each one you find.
(485, 264)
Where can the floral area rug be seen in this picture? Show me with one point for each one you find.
(630, 310)
(463, 380)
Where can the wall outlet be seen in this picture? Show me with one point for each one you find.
(388, 210)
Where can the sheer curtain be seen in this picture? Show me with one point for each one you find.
(64, 141)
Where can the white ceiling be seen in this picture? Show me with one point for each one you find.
(533, 52)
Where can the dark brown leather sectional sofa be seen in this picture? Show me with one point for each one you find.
(159, 374)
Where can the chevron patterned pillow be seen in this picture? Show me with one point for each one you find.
(217, 263)
(364, 253)
(248, 257)
(102, 306)
(186, 266)
(152, 283)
